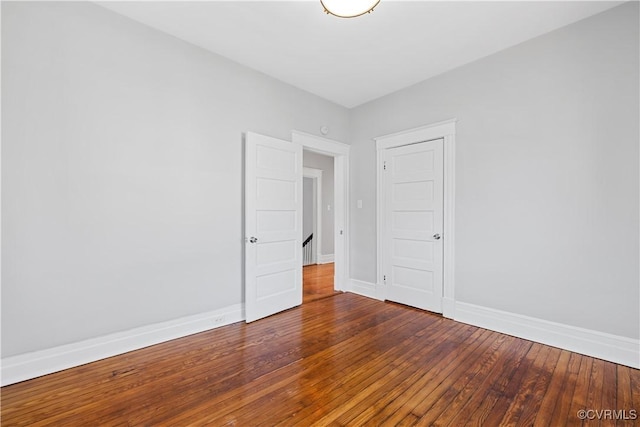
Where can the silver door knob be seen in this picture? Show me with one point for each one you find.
(253, 239)
(436, 236)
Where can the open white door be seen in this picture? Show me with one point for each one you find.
(413, 249)
(273, 226)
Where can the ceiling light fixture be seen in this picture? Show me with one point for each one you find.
(348, 8)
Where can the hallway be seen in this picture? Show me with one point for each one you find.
(317, 282)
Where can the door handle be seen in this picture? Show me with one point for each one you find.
(436, 236)
(253, 239)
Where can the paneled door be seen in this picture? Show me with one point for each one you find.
(413, 240)
(273, 226)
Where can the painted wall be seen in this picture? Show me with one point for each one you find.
(122, 172)
(307, 207)
(324, 163)
(547, 173)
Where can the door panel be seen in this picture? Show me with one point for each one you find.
(413, 192)
(273, 226)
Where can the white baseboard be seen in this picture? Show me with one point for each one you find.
(366, 289)
(31, 365)
(622, 350)
(617, 349)
(448, 308)
(326, 259)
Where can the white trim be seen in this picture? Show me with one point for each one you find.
(340, 153)
(423, 133)
(448, 308)
(449, 222)
(366, 289)
(320, 145)
(447, 131)
(31, 365)
(326, 258)
(605, 346)
(316, 175)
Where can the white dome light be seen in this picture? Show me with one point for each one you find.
(348, 8)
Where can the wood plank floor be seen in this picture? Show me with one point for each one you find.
(344, 360)
(317, 282)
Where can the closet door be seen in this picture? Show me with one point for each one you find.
(413, 240)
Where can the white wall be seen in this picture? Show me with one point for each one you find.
(307, 207)
(122, 172)
(547, 176)
(324, 163)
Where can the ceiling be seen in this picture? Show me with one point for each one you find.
(352, 61)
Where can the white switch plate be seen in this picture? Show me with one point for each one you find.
(359, 204)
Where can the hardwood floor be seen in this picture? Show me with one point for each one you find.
(317, 282)
(344, 360)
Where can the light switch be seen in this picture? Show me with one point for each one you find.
(359, 204)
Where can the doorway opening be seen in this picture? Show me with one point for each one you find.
(317, 226)
(325, 270)
(317, 282)
(312, 218)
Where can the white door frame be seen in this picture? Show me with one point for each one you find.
(447, 131)
(316, 176)
(340, 152)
